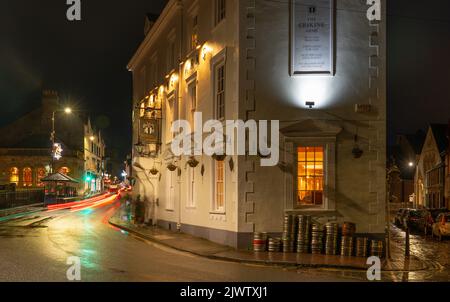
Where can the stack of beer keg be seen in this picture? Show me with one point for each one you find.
(361, 246)
(260, 242)
(316, 238)
(274, 244)
(290, 226)
(304, 233)
(331, 239)
(376, 248)
(348, 231)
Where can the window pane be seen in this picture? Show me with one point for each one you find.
(310, 175)
(301, 169)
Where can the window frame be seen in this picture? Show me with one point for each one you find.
(215, 209)
(314, 175)
(27, 174)
(329, 171)
(218, 16)
(14, 175)
(191, 190)
(220, 91)
(193, 100)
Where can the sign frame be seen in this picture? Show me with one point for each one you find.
(332, 42)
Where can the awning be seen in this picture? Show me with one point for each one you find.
(59, 177)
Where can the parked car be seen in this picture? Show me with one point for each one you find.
(441, 228)
(415, 219)
(398, 219)
(430, 219)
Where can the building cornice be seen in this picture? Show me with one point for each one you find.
(169, 10)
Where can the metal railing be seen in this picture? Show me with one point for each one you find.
(9, 200)
(35, 152)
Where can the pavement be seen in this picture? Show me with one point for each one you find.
(204, 248)
(8, 214)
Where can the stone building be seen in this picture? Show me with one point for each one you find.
(25, 148)
(322, 75)
(94, 156)
(406, 154)
(432, 169)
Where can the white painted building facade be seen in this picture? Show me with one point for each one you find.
(231, 60)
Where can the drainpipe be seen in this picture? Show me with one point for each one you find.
(179, 96)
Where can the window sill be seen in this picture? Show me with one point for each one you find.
(218, 213)
(218, 25)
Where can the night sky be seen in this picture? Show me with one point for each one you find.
(86, 61)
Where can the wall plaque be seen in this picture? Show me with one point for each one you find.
(312, 37)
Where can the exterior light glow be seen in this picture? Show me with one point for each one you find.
(411, 164)
(92, 138)
(187, 66)
(68, 110)
(205, 51)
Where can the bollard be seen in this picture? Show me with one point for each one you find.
(407, 250)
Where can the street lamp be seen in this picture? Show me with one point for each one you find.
(393, 174)
(67, 111)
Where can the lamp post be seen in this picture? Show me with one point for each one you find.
(393, 174)
(67, 111)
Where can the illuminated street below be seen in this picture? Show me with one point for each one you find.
(36, 248)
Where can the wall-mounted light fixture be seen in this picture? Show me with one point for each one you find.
(310, 105)
(205, 51)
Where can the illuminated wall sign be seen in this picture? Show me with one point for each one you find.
(149, 130)
(312, 37)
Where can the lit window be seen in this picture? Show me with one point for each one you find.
(220, 10)
(219, 190)
(310, 175)
(194, 34)
(40, 174)
(14, 175)
(220, 91)
(27, 177)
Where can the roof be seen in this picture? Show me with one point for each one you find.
(440, 133)
(59, 177)
(416, 141)
(34, 141)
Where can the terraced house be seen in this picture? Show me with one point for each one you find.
(316, 66)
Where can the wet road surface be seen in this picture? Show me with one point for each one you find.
(36, 248)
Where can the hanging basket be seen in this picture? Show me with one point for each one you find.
(192, 162)
(171, 167)
(154, 171)
(219, 157)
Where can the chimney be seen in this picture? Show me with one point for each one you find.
(150, 20)
(50, 100)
